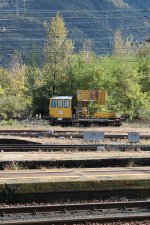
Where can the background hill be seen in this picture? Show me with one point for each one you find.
(21, 24)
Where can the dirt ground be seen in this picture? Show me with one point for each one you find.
(125, 128)
(35, 125)
(66, 155)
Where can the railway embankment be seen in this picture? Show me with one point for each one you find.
(50, 167)
(73, 159)
(72, 183)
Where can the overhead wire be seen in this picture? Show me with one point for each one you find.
(72, 17)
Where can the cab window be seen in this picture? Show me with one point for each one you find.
(66, 103)
(60, 103)
(53, 103)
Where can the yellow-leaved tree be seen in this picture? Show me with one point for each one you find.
(58, 50)
(14, 103)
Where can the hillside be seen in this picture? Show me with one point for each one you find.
(21, 24)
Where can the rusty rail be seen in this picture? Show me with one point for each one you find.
(123, 213)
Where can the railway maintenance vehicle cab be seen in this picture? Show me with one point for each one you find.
(85, 112)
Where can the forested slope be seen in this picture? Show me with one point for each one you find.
(22, 23)
(25, 88)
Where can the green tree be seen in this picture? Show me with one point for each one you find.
(125, 88)
(144, 66)
(58, 50)
(34, 82)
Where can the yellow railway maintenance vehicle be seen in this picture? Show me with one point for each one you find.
(63, 111)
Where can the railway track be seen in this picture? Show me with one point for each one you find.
(66, 134)
(83, 147)
(76, 213)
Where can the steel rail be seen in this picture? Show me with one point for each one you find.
(57, 134)
(71, 207)
(80, 220)
(61, 131)
(84, 147)
(107, 136)
(93, 217)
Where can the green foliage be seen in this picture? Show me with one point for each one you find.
(13, 107)
(87, 75)
(7, 122)
(144, 66)
(125, 75)
(94, 107)
(34, 84)
(144, 114)
(120, 77)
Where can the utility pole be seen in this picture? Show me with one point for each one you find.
(110, 39)
(24, 6)
(87, 47)
(17, 10)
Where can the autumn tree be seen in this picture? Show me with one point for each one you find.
(13, 99)
(17, 73)
(58, 49)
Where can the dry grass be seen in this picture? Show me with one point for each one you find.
(67, 155)
(146, 222)
(12, 166)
